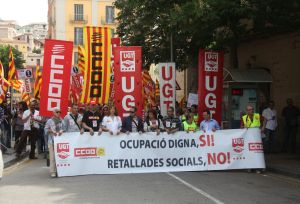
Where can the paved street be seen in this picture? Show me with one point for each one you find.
(29, 182)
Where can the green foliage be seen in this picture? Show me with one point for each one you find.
(37, 51)
(4, 57)
(194, 24)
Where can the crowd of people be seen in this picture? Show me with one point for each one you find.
(29, 126)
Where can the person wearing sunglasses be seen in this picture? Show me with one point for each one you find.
(251, 119)
(132, 123)
(54, 128)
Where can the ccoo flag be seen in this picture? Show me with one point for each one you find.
(97, 41)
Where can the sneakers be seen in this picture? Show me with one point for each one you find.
(53, 175)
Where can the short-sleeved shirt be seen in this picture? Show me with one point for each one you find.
(209, 125)
(171, 123)
(69, 122)
(93, 120)
(29, 123)
(54, 126)
(112, 123)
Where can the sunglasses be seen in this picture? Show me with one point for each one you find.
(57, 112)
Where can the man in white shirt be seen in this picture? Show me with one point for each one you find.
(31, 119)
(269, 125)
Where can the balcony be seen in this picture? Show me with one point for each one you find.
(79, 19)
(105, 21)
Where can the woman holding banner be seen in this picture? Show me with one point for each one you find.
(54, 127)
(152, 123)
(112, 123)
(189, 124)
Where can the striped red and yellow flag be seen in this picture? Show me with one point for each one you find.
(3, 89)
(26, 97)
(81, 59)
(37, 83)
(1, 70)
(148, 89)
(157, 91)
(97, 41)
(12, 72)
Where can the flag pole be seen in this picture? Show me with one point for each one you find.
(11, 112)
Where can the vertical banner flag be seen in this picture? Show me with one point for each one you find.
(56, 76)
(27, 86)
(167, 82)
(12, 73)
(97, 41)
(1, 70)
(115, 42)
(128, 79)
(81, 59)
(210, 82)
(4, 85)
(37, 83)
(148, 89)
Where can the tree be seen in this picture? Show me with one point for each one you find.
(194, 24)
(4, 54)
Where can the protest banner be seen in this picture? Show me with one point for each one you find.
(77, 154)
(56, 76)
(167, 82)
(97, 43)
(128, 79)
(210, 84)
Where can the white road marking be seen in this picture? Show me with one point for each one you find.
(215, 200)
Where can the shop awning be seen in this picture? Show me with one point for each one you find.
(248, 76)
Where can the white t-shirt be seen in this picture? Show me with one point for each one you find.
(271, 117)
(36, 116)
(112, 123)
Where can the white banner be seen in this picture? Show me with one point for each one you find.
(192, 100)
(167, 86)
(225, 149)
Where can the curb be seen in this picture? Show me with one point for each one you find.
(283, 171)
(15, 160)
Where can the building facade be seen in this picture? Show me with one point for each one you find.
(67, 18)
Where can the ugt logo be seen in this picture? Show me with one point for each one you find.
(238, 144)
(63, 150)
(127, 61)
(211, 62)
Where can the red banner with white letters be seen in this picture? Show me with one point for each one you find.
(210, 84)
(115, 42)
(128, 79)
(56, 76)
(167, 81)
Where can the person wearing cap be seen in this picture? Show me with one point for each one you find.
(92, 119)
(53, 127)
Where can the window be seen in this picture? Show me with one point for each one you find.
(78, 12)
(38, 61)
(75, 58)
(110, 14)
(78, 36)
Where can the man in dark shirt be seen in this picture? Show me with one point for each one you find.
(290, 114)
(92, 119)
(171, 124)
(132, 123)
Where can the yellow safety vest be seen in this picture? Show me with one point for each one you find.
(189, 127)
(248, 123)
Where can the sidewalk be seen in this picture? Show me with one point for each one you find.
(9, 157)
(284, 163)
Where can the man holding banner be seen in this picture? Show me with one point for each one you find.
(171, 124)
(91, 120)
